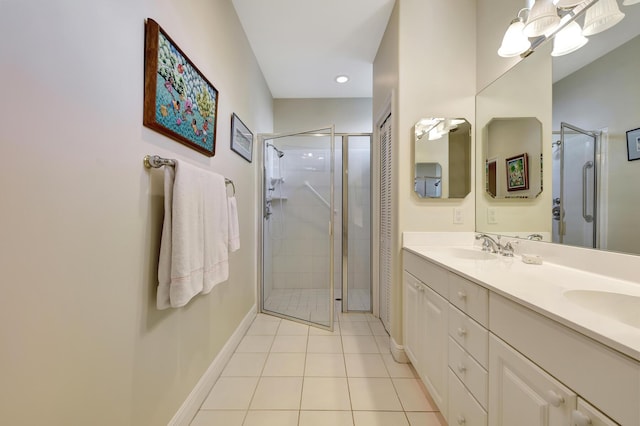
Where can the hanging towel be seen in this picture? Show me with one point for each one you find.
(195, 235)
(234, 227)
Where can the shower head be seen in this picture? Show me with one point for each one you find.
(280, 153)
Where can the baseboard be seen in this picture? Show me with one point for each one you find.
(397, 351)
(191, 405)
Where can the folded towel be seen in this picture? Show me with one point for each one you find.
(234, 227)
(195, 235)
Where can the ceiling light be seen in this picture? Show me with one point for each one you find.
(567, 3)
(342, 79)
(543, 19)
(601, 16)
(514, 42)
(568, 40)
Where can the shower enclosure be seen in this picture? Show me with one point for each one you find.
(316, 225)
(575, 176)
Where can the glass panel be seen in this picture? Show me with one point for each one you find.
(359, 223)
(577, 193)
(297, 253)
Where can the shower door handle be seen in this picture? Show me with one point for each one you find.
(587, 217)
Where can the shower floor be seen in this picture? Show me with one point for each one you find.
(313, 305)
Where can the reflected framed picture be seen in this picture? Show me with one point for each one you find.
(179, 101)
(633, 144)
(517, 172)
(241, 138)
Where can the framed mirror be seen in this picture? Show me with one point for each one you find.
(442, 158)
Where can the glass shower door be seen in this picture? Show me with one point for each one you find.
(297, 226)
(578, 199)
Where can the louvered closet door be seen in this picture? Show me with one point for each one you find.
(385, 223)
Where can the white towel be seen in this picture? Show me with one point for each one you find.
(195, 235)
(234, 227)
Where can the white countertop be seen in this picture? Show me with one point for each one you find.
(542, 287)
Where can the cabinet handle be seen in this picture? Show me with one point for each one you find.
(461, 368)
(462, 332)
(579, 419)
(554, 399)
(462, 295)
(461, 419)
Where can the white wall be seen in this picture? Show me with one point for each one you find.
(349, 115)
(81, 218)
(605, 94)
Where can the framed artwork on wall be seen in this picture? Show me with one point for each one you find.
(633, 144)
(518, 172)
(179, 101)
(241, 138)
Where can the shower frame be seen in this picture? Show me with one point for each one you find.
(262, 138)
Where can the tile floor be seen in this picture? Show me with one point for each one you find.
(287, 374)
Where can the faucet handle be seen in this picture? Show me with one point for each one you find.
(508, 249)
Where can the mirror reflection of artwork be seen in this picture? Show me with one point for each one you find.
(517, 172)
(506, 171)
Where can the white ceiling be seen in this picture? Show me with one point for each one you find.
(302, 45)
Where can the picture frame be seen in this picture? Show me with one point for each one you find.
(517, 168)
(179, 101)
(633, 144)
(241, 138)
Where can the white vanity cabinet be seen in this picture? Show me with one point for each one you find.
(522, 393)
(425, 335)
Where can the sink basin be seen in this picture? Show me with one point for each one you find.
(619, 306)
(469, 253)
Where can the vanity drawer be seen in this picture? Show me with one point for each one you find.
(475, 378)
(470, 298)
(430, 274)
(463, 408)
(470, 335)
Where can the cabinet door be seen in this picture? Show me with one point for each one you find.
(588, 415)
(411, 299)
(434, 335)
(520, 393)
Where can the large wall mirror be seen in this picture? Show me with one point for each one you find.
(592, 100)
(442, 158)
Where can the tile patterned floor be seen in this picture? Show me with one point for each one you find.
(288, 374)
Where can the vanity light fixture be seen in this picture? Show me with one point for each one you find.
(602, 16)
(550, 18)
(543, 19)
(342, 79)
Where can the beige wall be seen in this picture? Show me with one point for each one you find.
(349, 115)
(434, 77)
(605, 94)
(82, 342)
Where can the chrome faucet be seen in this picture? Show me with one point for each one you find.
(534, 237)
(489, 244)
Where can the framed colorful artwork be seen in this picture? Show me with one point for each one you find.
(633, 145)
(179, 101)
(241, 138)
(518, 172)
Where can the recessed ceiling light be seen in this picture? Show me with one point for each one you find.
(342, 79)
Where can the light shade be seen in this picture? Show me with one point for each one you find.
(601, 16)
(568, 3)
(514, 41)
(568, 40)
(543, 19)
(630, 2)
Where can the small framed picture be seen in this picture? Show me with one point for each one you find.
(633, 144)
(517, 172)
(241, 138)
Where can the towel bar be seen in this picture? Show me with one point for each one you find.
(155, 161)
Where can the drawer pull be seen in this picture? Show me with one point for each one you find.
(461, 368)
(462, 332)
(554, 399)
(462, 295)
(461, 419)
(579, 419)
